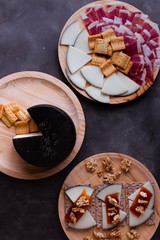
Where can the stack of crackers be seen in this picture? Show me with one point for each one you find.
(14, 115)
(108, 53)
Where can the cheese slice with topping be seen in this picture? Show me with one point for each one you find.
(74, 192)
(76, 59)
(70, 34)
(93, 75)
(77, 79)
(110, 190)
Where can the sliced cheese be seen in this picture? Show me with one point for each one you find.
(96, 94)
(113, 86)
(85, 222)
(76, 59)
(77, 79)
(111, 189)
(27, 135)
(70, 34)
(81, 42)
(93, 75)
(134, 220)
(131, 85)
(74, 192)
(104, 219)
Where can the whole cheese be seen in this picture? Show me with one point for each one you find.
(57, 139)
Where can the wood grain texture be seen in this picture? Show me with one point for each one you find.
(28, 89)
(138, 173)
(62, 50)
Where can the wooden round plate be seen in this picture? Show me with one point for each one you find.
(138, 173)
(62, 50)
(28, 89)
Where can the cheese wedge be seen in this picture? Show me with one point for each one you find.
(74, 192)
(113, 86)
(77, 79)
(96, 94)
(70, 34)
(81, 42)
(76, 59)
(104, 212)
(93, 75)
(111, 189)
(131, 85)
(85, 222)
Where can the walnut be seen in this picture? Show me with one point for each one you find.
(73, 218)
(126, 165)
(111, 177)
(143, 202)
(139, 209)
(91, 165)
(98, 235)
(111, 213)
(107, 164)
(82, 201)
(112, 209)
(133, 234)
(113, 201)
(143, 194)
(116, 219)
(115, 234)
(78, 209)
(100, 173)
(88, 238)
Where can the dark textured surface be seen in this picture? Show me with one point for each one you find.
(29, 32)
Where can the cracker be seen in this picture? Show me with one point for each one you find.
(13, 106)
(101, 46)
(23, 115)
(117, 43)
(122, 60)
(128, 68)
(109, 50)
(5, 120)
(108, 34)
(1, 110)
(114, 57)
(21, 127)
(91, 40)
(10, 115)
(32, 126)
(98, 60)
(108, 68)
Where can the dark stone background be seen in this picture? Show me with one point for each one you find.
(29, 32)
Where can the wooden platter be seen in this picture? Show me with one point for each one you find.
(28, 89)
(62, 50)
(138, 173)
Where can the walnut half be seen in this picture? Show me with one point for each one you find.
(82, 201)
(99, 235)
(91, 165)
(126, 165)
(115, 234)
(133, 234)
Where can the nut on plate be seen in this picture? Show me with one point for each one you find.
(91, 165)
(126, 165)
(133, 234)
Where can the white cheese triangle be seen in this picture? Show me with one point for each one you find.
(70, 34)
(77, 79)
(74, 192)
(113, 86)
(134, 220)
(93, 75)
(85, 222)
(81, 42)
(131, 85)
(104, 218)
(111, 189)
(96, 94)
(76, 59)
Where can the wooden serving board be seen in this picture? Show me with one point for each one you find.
(62, 50)
(138, 173)
(28, 89)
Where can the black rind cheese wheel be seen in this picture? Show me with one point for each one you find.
(57, 139)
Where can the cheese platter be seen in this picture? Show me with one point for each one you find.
(38, 92)
(104, 177)
(117, 38)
